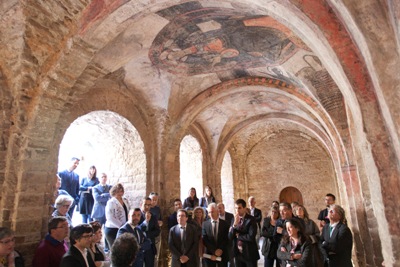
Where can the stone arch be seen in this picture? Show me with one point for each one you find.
(112, 144)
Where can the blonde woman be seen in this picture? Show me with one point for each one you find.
(117, 209)
(198, 218)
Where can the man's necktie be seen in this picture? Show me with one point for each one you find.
(137, 234)
(239, 242)
(215, 230)
(183, 240)
(330, 230)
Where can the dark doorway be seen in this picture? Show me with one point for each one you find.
(291, 194)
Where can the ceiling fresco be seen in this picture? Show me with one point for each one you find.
(200, 40)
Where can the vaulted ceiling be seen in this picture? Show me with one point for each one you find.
(232, 71)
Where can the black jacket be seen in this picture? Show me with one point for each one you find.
(74, 258)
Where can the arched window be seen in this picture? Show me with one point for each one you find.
(191, 165)
(227, 183)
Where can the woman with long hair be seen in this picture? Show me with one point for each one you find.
(313, 232)
(295, 249)
(95, 250)
(198, 218)
(270, 247)
(191, 201)
(312, 229)
(208, 197)
(86, 200)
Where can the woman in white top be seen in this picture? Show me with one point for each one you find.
(117, 209)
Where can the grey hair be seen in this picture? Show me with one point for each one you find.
(341, 212)
(212, 205)
(62, 200)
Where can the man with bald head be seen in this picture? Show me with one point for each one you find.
(215, 238)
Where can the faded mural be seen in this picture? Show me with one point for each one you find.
(201, 40)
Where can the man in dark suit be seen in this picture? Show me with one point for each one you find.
(172, 221)
(80, 238)
(224, 215)
(337, 239)
(243, 232)
(132, 226)
(286, 213)
(257, 214)
(149, 225)
(183, 242)
(70, 183)
(215, 238)
(228, 217)
(323, 214)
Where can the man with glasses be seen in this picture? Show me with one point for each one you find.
(8, 256)
(52, 248)
(337, 239)
(80, 239)
(149, 225)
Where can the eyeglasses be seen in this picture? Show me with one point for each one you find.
(8, 241)
(64, 226)
(87, 236)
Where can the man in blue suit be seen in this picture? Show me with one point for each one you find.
(149, 225)
(132, 226)
(70, 183)
(101, 194)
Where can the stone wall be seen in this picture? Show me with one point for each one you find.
(290, 159)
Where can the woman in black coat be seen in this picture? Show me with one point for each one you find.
(295, 247)
(270, 247)
(191, 201)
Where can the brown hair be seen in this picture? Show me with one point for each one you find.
(116, 188)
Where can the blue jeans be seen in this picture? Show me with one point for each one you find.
(111, 235)
(86, 218)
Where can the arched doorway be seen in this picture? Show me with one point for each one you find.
(112, 144)
(191, 164)
(291, 194)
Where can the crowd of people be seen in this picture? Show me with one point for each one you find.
(201, 232)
